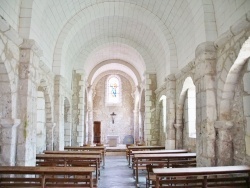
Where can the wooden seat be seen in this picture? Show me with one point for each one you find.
(99, 144)
(151, 178)
(127, 150)
(86, 145)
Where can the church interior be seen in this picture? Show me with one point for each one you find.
(172, 73)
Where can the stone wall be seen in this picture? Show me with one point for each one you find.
(9, 63)
(124, 120)
(239, 104)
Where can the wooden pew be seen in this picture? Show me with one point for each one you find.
(136, 148)
(66, 152)
(141, 160)
(89, 148)
(155, 152)
(219, 176)
(69, 160)
(41, 177)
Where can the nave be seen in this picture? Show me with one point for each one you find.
(117, 174)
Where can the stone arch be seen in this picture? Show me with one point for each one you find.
(158, 29)
(224, 124)
(231, 81)
(49, 125)
(161, 117)
(100, 76)
(7, 124)
(188, 92)
(246, 104)
(136, 75)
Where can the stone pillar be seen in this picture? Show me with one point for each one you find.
(90, 115)
(8, 139)
(90, 126)
(136, 125)
(59, 113)
(49, 135)
(27, 103)
(78, 112)
(141, 126)
(206, 109)
(80, 127)
(170, 93)
(179, 136)
(224, 144)
(151, 131)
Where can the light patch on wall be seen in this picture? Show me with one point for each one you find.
(164, 111)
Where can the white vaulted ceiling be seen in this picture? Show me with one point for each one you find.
(152, 35)
(148, 34)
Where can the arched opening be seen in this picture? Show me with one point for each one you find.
(41, 120)
(123, 124)
(186, 116)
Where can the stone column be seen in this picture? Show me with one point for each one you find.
(59, 113)
(136, 126)
(27, 103)
(206, 109)
(179, 136)
(90, 126)
(224, 144)
(151, 132)
(49, 135)
(170, 93)
(9, 138)
(80, 127)
(141, 126)
(75, 106)
(90, 115)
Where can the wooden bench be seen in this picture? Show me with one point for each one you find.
(89, 148)
(141, 148)
(222, 176)
(41, 177)
(65, 152)
(155, 152)
(69, 160)
(141, 160)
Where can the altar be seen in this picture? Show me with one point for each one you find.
(113, 140)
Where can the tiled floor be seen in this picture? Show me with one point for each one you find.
(117, 174)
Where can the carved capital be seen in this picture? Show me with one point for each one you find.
(224, 125)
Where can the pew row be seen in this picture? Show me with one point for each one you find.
(46, 177)
(168, 160)
(89, 148)
(220, 176)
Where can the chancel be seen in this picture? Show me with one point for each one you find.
(119, 81)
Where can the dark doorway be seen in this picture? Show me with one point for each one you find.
(97, 132)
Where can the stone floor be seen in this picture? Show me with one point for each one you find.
(117, 174)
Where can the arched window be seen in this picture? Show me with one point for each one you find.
(113, 90)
